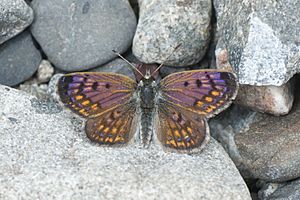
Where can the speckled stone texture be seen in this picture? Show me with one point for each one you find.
(165, 24)
(80, 35)
(45, 155)
(15, 16)
(262, 38)
(281, 191)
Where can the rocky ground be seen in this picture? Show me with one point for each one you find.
(255, 147)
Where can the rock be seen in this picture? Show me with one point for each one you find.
(276, 100)
(45, 154)
(277, 191)
(45, 71)
(166, 70)
(87, 33)
(118, 66)
(262, 38)
(165, 24)
(19, 59)
(35, 89)
(262, 146)
(15, 16)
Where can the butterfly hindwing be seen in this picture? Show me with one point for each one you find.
(89, 94)
(206, 92)
(179, 130)
(114, 127)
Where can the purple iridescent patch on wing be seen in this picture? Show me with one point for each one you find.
(204, 92)
(90, 93)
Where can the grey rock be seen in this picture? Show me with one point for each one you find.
(45, 154)
(87, 31)
(45, 71)
(118, 66)
(262, 38)
(35, 89)
(281, 191)
(15, 16)
(166, 70)
(276, 100)
(19, 59)
(262, 146)
(165, 24)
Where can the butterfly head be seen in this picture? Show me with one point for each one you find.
(148, 74)
(147, 70)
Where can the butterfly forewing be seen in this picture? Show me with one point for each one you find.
(91, 94)
(106, 99)
(179, 130)
(115, 127)
(206, 92)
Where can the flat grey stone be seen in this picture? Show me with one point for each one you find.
(262, 38)
(262, 146)
(15, 16)
(80, 35)
(45, 154)
(281, 191)
(19, 59)
(165, 24)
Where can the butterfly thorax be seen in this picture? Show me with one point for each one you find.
(147, 90)
(147, 93)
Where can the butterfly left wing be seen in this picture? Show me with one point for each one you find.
(106, 100)
(205, 92)
(89, 94)
(115, 127)
(179, 130)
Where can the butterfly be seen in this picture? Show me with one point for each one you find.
(177, 108)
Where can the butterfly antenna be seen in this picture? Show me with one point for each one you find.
(118, 54)
(166, 59)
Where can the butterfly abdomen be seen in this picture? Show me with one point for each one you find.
(147, 108)
(146, 126)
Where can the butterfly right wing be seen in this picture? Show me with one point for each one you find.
(179, 130)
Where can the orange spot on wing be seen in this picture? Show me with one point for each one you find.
(94, 106)
(101, 127)
(208, 99)
(82, 111)
(176, 133)
(215, 93)
(213, 107)
(185, 134)
(114, 130)
(106, 130)
(85, 103)
(199, 103)
(208, 109)
(172, 143)
(78, 97)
